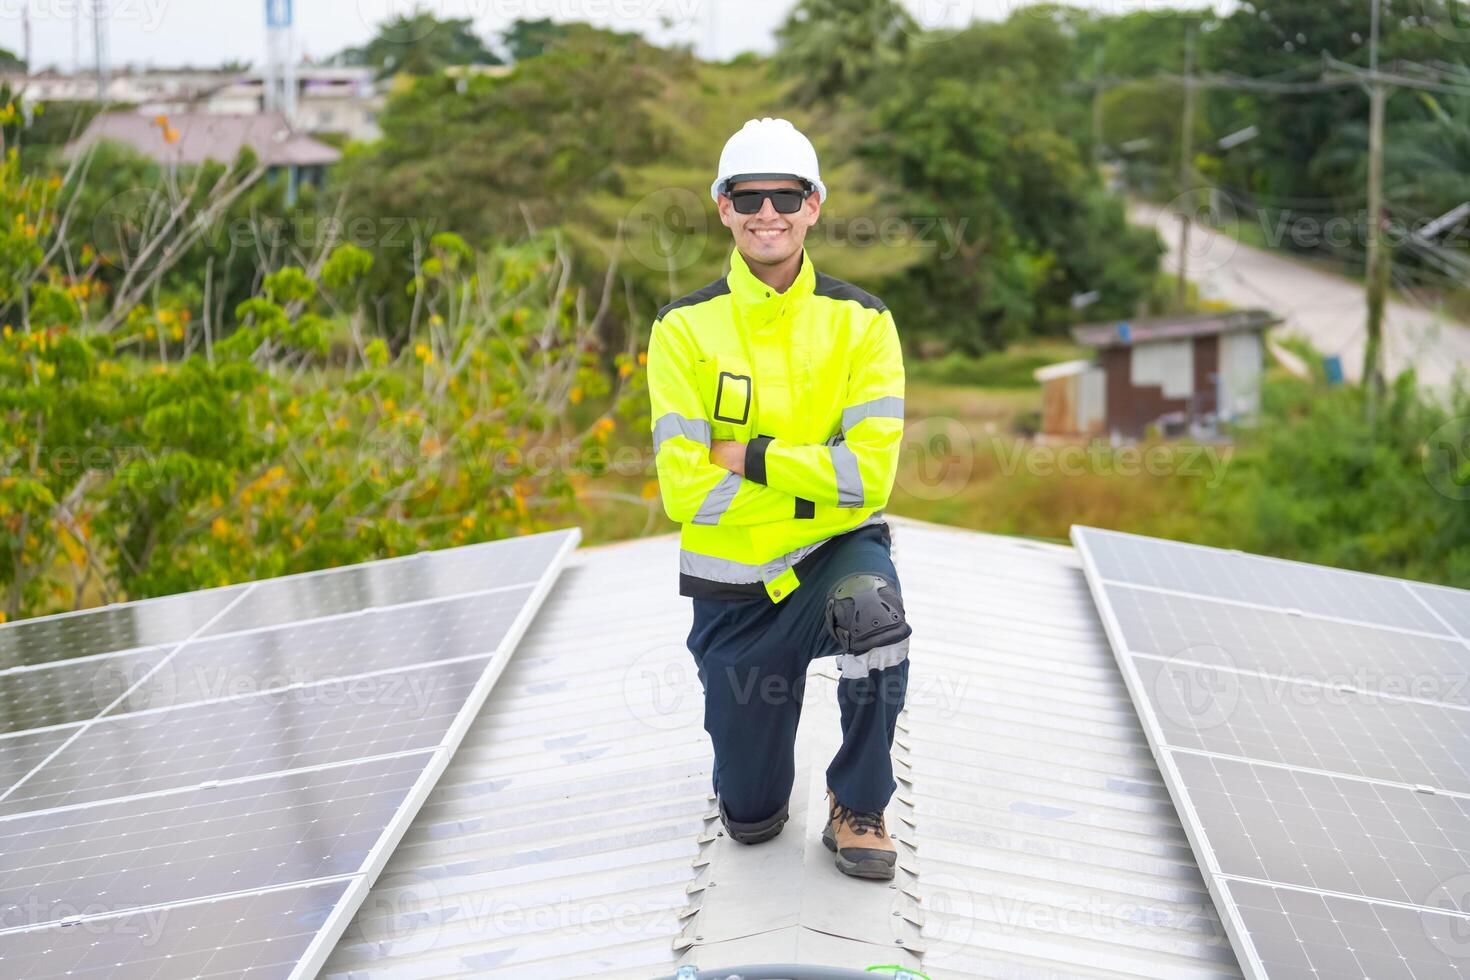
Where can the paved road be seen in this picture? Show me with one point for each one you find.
(1328, 310)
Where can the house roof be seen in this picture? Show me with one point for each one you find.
(574, 833)
(206, 136)
(1064, 369)
(1152, 329)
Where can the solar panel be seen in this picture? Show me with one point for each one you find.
(147, 622)
(1299, 724)
(365, 641)
(255, 936)
(63, 692)
(223, 774)
(1212, 572)
(1326, 651)
(1313, 728)
(1450, 605)
(1332, 937)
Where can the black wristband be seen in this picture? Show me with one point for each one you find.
(755, 459)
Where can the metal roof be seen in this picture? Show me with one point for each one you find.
(203, 136)
(574, 832)
(1154, 329)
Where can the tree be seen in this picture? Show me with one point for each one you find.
(526, 39)
(1287, 39)
(835, 46)
(421, 44)
(1129, 53)
(975, 130)
(147, 460)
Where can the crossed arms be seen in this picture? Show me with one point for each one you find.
(706, 481)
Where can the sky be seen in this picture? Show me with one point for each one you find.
(209, 32)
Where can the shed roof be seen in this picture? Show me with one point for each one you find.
(574, 833)
(206, 136)
(1127, 333)
(1064, 369)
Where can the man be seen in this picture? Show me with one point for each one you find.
(777, 397)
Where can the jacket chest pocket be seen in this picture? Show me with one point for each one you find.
(727, 387)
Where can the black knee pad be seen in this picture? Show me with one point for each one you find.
(753, 833)
(865, 611)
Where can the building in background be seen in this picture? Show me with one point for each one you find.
(1179, 375)
(141, 89)
(329, 100)
(193, 138)
(337, 101)
(1072, 401)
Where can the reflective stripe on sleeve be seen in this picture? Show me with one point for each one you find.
(887, 407)
(674, 424)
(849, 477)
(718, 500)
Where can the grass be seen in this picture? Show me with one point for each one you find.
(965, 465)
(1008, 369)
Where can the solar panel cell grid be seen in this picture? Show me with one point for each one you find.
(153, 622)
(1326, 832)
(70, 691)
(269, 732)
(258, 936)
(1312, 936)
(360, 643)
(394, 581)
(21, 753)
(254, 818)
(177, 847)
(1333, 653)
(1265, 581)
(1301, 724)
(1451, 605)
(1314, 726)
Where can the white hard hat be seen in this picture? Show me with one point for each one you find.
(767, 149)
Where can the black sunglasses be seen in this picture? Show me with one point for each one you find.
(786, 200)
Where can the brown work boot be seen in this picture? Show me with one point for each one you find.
(859, 840)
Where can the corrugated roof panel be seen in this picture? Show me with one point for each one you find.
(573, 833)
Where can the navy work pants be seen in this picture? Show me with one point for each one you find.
(752, 657)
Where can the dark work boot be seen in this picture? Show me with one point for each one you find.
(753, 833)
(859, 841)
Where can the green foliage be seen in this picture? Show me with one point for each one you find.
(526, 39)
(1308, 164)
(974, 129)
(1012, 368)
(141, 461)
(1317, 481)
(835, 46)
(419, 43)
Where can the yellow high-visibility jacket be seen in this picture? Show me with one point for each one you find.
(812, 381)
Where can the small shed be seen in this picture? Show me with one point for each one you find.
(1073, 400)
(1182, 374)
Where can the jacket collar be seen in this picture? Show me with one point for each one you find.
(761, 300)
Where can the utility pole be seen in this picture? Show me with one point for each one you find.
(25, 18)
(99, 40)
(1186, 164)
(1099, 87)
(1378, 257)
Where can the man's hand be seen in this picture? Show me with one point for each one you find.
(729, 454)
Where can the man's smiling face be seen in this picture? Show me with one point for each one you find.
(769, 237)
